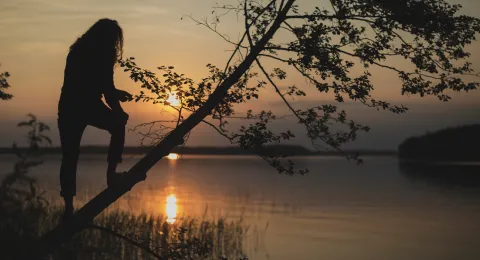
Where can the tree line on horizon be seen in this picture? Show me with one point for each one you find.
(459, 143)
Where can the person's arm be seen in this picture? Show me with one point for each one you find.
(111, 98)
(110, 94)
(123, 96)
(109, 91)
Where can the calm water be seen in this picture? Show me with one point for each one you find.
(377, 210)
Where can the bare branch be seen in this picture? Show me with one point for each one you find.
(275, 58)
(338, 17)
(220, 131)
(129, 240)
(223, 36)
(244, 35)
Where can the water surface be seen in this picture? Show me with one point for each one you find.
(377, 210)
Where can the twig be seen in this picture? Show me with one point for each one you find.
(243, 37)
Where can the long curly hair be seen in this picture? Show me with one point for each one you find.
(104, 40)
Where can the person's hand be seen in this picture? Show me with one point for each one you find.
(123, 96)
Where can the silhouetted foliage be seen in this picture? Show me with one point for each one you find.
(4, 85)
(22, 206)
(327, 46)
(451, 144)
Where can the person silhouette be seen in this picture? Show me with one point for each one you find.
(88, 75)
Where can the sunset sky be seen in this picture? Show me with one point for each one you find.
(35, 36)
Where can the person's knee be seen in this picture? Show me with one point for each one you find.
(117, 129)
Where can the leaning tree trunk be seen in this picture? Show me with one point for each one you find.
(137, 173)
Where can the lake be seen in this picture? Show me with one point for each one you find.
(377, 210)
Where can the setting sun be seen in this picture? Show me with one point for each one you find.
(173, 99)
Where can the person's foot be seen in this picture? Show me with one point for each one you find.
(114, 178)
(68, 213)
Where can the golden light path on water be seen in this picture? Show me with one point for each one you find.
(171, 208)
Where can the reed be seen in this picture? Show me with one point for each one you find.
(154, 237)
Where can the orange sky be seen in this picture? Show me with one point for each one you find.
(35, 36)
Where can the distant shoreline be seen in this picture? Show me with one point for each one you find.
(290, 150)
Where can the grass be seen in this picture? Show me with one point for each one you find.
(187, 238)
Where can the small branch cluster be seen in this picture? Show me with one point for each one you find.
(21, 203)
(4, 85)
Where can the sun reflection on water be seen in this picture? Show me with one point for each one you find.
(173, 156)
(171, 208)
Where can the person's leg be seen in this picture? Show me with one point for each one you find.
(104, 118)
(115, 149)
(70, 136)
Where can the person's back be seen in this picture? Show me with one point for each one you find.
(86, 78)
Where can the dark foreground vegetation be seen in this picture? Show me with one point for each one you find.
(451, 144)
(122, 235)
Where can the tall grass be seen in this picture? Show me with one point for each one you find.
(187, 238)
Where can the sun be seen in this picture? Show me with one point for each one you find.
(173, 156)
(173, 99)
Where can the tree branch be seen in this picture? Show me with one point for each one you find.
(243, 37)
(129, 240)
(337, 17)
